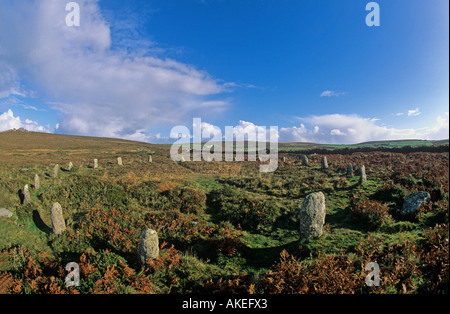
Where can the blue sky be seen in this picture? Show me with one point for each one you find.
(135, 69)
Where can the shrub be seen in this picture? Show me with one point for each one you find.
(186, 200)
(371, 214)
(251, 212)
(390, 193)
(329, 274)
(435, 254)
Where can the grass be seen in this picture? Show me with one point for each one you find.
(224, 219)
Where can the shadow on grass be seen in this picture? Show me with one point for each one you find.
(40, 224)
(207, 249)
(268, 256)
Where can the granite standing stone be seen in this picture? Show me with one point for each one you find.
(304, 160)
(324, 163)
(95, 163)
(312, 216)
(119, 161)
(70, 166)
(55, 171)
(26, 195)
(150, 159)
(37, 182)
(413, 201)
(362, 175)
(58, 223)
(148, 246)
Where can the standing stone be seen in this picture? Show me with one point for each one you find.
(95, 163)
(37, 182)
(413, 201)
(148, 246)
(324, 163)
(58, 223)
(26, 195)
(70, 166)
(283, 159)
(362, 177)
(349, 170)
(55, 171)
(312, 216)
(119, 161)
(304, 160)
(150, 159)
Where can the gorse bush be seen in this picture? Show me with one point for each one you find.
(80, 193)
(368, 213)
(390, 193)
(252, 212)
(187, 200)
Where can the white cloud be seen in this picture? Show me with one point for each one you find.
(329, 93)
(8, 122)
(250, 131)
(414, 112)
(440, 130)
(243, 131)
(350, 129)
(336, 132)
(99, 90)
(209, 130)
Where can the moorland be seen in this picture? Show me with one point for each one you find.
(223, 227)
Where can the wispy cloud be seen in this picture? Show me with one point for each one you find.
(330, 93)
(414, 112)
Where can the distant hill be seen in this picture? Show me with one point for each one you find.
(372, 144)
(20, 146)
(15, 144)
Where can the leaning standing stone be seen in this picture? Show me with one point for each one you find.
(312, 216)
(363, 177)
(55, 171)
(95, 163)
(37, 182)
(304, 160)
(324, 163)
(26, 195)
(148, 246)
(119, 161)
(413, 201)
(349, 170)
(58, 223)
